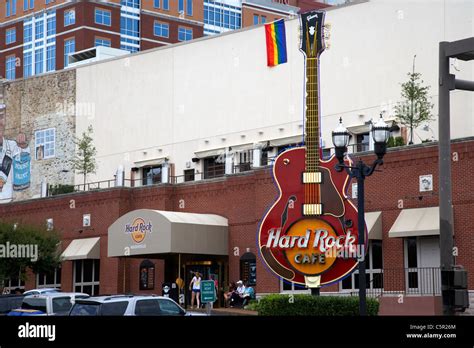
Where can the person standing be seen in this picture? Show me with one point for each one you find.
(195, 288)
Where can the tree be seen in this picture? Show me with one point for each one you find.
(415, 108)
(38, 245)
(84, 160)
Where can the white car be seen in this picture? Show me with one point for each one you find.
(128, 305)
(56, 303)
(40, 291)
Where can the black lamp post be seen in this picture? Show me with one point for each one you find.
(340, 138)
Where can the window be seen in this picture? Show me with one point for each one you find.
(411, 260)
(103, 17)
(189, 175)
(245, 161)
(62, 305)
(166, 5)
(248, 269)
(255, 19)
(374, 265)
(152, 175)
(27, 32)
(181, 6)
(147, 275)
(147, 308)
(51, 58)
(10, 68)
(189, 7)
(69, 47)
(49, 280)
(69, 17)
(219, 17)
(10, 36)
(131, 3)
(102, 42)
(27, 64)
(114, 308)
(263, 19)
(39, 29)
(156, 3)
(129, 26)
(326, 153)
(168, 307)
(45, 143)
(39, 60)
(185, 34)
(292, 287)
(51, 26)
(13, 283)
(31, 4)
(363, 142)
(161, 29)
(86, 276)
(213, 167)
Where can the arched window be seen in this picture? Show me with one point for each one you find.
(248, 269)
(147, 275)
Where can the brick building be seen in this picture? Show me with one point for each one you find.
(37, 36)
(242, 199)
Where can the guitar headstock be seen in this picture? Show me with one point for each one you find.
(314, 33)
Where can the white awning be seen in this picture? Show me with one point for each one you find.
(85, 248)
(151, 162)
(210, 153)
(416, 222)
(373, 221)
(146, 231)
(297, 139)
(365, 128)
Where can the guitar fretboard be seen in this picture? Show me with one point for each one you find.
(312, 116)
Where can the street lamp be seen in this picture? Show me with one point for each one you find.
(340, 139)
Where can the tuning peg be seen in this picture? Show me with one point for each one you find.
(327, 26)
(327, 45)
(327, 36)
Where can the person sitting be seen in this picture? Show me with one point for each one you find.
(249, 294)
(237, 297)
(228, 295)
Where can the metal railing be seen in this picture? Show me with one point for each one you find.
(421, 281)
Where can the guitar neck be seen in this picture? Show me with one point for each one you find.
(312, 115)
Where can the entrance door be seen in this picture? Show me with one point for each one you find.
(206, 269)
(422, 262)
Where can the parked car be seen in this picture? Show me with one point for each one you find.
(9, 302)
(55, 303)
(40, 291)
(127, 305)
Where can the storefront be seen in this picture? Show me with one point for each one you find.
(186, 242)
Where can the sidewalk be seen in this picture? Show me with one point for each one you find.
(227, 311)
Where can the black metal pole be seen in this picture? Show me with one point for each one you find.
(315, 291)
(361, 228)
(445, 195)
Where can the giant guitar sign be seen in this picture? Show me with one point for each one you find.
(310, 236)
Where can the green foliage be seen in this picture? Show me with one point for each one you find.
(395, 141)
(415, 107)
(48, 257)
(252, 306)
(285, 305)
(60, 189)
(84, 160)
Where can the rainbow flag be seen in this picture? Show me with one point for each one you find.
(276, 43)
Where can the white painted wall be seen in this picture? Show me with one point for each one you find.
(176, 98)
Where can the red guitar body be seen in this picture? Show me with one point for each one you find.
(341, 214)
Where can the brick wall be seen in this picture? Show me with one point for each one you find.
(243, 199)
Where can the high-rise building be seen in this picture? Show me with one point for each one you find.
(37, 36)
